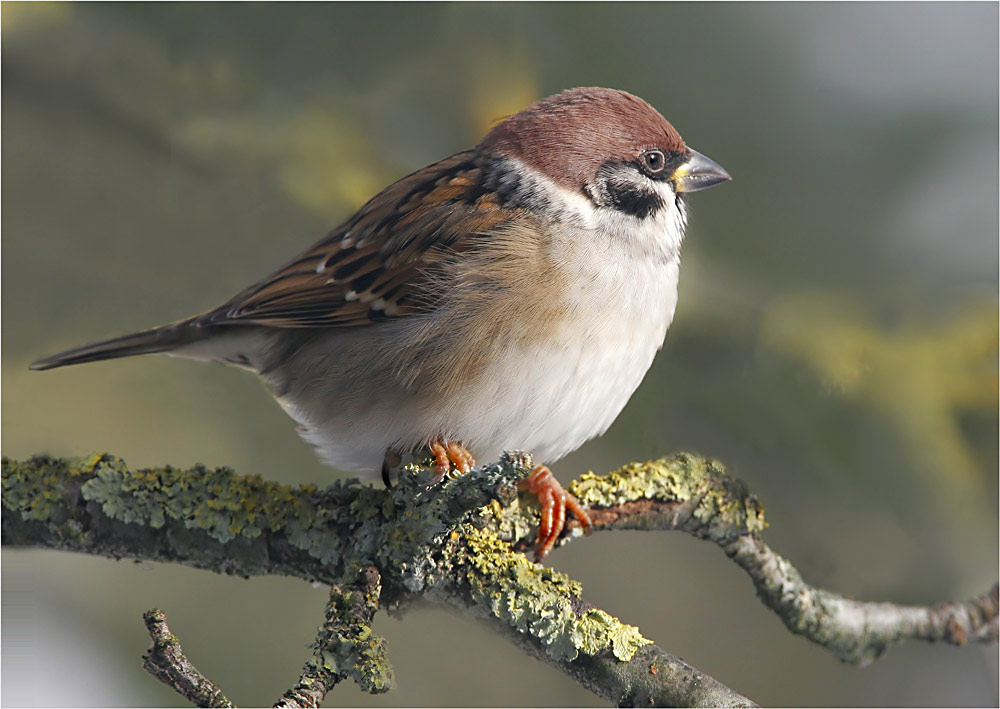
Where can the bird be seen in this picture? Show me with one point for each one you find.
(510, 296)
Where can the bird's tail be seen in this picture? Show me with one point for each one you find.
(160, 339)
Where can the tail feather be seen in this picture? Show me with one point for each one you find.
(160, 339)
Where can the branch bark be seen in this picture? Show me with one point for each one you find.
(166, 661)
(455, 544)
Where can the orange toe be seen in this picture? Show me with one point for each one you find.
(448, 454)
(461, 458)
(554, 501)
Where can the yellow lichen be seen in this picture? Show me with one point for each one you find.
(683, 477)
(538, 600)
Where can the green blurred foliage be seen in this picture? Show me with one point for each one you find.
(921, 376)
(835, 342)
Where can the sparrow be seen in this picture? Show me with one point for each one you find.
(509, 296)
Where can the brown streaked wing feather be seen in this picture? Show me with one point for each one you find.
(372, 266)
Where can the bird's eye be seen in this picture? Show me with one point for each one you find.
(653, 160)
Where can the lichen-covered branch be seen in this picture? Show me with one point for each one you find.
(695, 495)
(346, 647)
(211, 519)
(166, 661)
(856, 631)
(454, 544)
(543, 611)
(442, 543)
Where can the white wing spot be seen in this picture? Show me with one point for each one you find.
(378, 304)
(351, 295)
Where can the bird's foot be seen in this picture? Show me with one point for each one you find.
(554, 501)
(448, 454)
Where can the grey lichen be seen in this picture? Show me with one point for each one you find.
(426, 517)
(346, 646)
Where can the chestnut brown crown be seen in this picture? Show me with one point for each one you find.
(570, 135)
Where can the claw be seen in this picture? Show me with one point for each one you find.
(390, 461)
(554, 501)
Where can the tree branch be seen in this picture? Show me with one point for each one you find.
(695, 495)
(166, 661)
(856, 631)
(345, 646)
(453, 544)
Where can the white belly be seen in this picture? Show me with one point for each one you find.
(547, 397)
(561, 393)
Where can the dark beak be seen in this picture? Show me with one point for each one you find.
(698, 173)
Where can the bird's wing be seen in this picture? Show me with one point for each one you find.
(376, 265)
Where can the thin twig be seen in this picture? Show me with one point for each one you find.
(166, 661)
(345, 646)
(858, 632)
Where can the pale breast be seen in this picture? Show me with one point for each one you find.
(568, 384)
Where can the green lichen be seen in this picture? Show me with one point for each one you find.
(346, 646)
(354, 653)
(539, 601)
(36, 488)
(720, 501)
(224, 505)
(432, 533)
(219, 502)
(596, 630)
(532, 599)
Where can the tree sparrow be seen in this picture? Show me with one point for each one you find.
(509, 296)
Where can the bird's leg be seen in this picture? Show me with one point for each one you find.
(448, 454)
(554, 501)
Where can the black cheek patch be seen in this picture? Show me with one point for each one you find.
(629, 198)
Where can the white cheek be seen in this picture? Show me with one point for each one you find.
(658, 237)
(672, 219)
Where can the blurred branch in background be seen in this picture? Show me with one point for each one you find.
(455, 544)
(921, 375)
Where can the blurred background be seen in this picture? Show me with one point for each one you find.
(835, 343)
